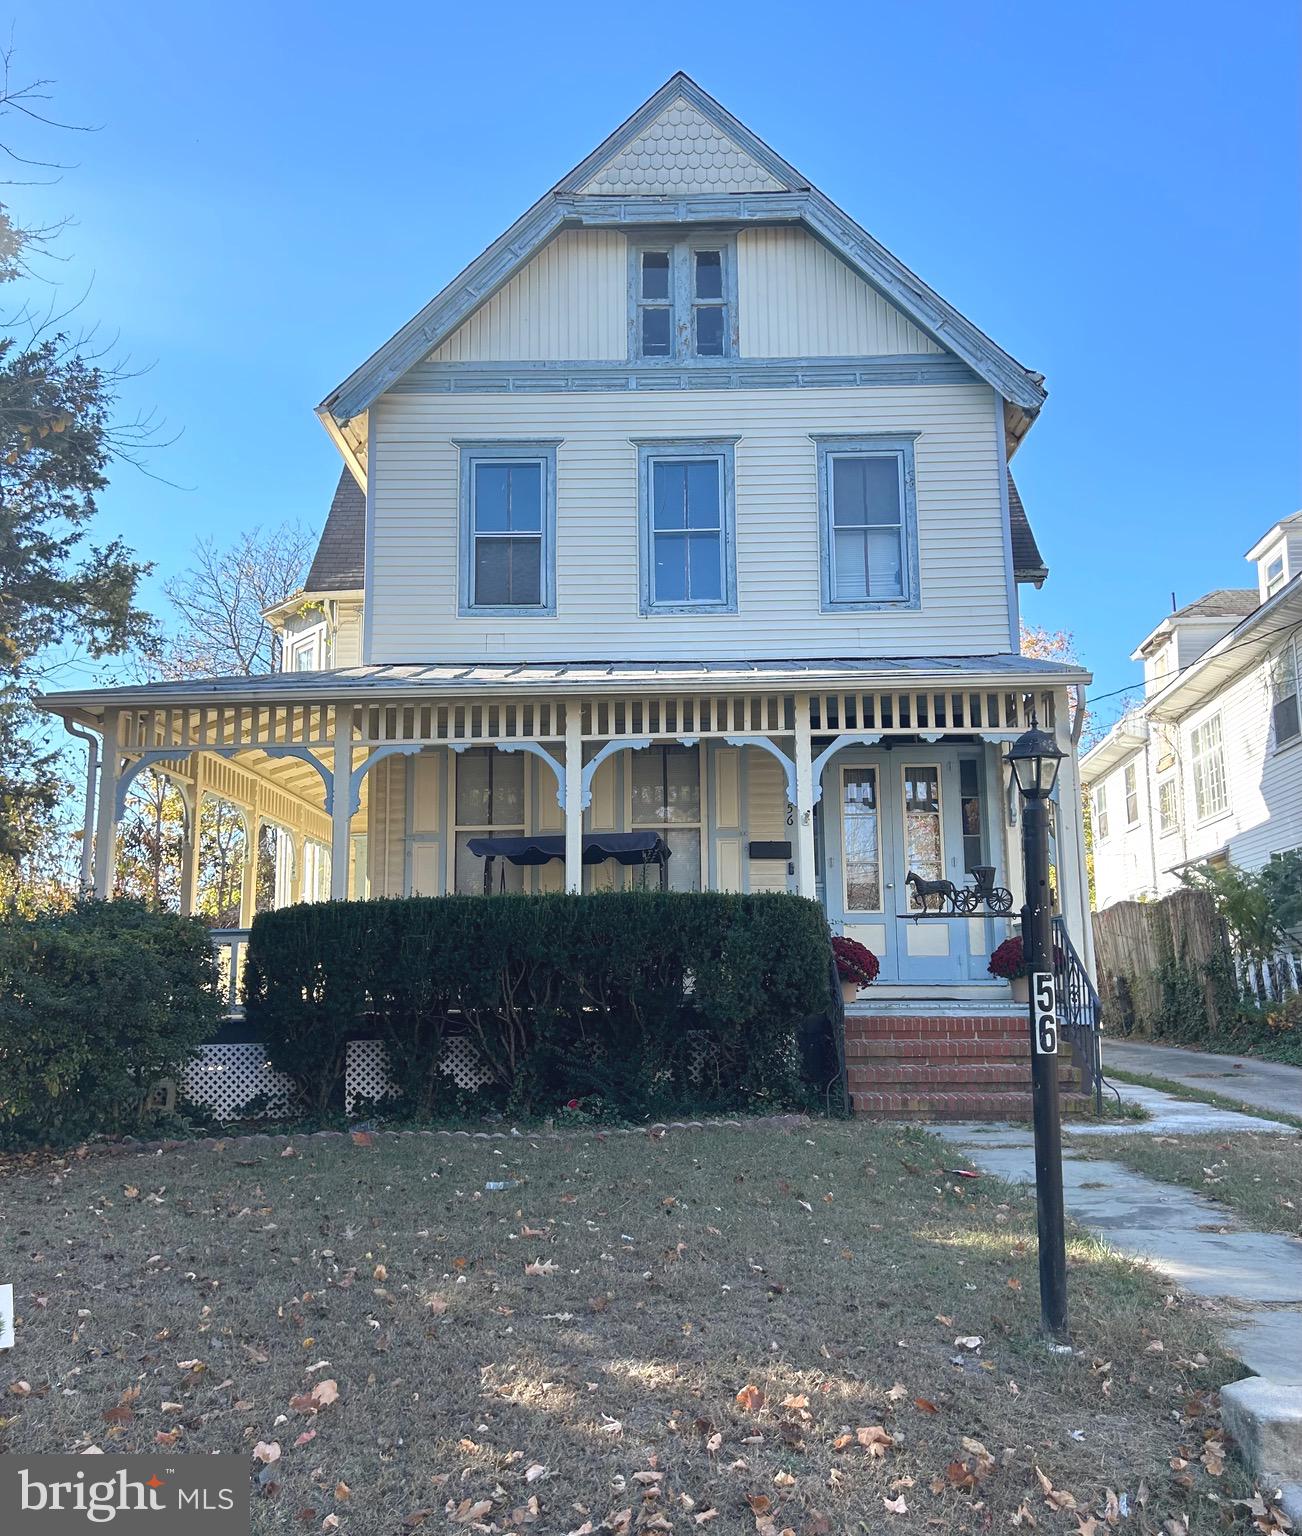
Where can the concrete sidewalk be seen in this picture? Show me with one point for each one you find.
(1266, 1085)
(1198, 1247)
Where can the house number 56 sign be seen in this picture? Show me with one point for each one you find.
(1045, 996)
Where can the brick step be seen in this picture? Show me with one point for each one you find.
(887, 1075)
(937, 1049)
(891, 1027)
(957, 1106)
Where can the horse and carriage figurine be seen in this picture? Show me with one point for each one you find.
(958, 900)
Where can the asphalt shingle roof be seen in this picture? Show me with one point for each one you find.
(1224, 602)
(1028, 562)
(339, 564)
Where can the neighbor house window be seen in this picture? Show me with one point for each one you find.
(1168, 806)
(1208, 755)
(508, 528)
(489, 799)
(687, 554)
(305, 654)
(1100, 814)
(1285, 711)
(1132, 795)
(1274, 575)
(666, 798)
(682, 300)
(867, 522)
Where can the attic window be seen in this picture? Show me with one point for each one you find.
(1274, 575)
(683, 300)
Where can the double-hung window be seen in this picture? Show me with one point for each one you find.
(1168, 805)
(685, 490)
(867, 522)
(508, 528)
(1275, 575)
(1285, 709)
(1100, 814)
(1131, 780)
(1207, 752)
(682, 299)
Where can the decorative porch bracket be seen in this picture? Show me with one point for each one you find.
(164, 754)
(849, 739)
(608, 749)
(765, 744)
(556, 767)
(376, 755)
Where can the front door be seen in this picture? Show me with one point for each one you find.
(889, 812)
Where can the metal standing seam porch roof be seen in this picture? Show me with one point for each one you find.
(402, 680)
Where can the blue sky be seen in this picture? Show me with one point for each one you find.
(1111, 191)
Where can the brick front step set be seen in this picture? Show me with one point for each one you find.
(947, 1067)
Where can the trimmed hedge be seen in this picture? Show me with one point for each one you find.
(97, 1003)
(641, 1000)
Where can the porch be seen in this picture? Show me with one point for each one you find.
(833, 780)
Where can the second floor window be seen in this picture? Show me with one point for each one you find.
(686, 495)
(1100, 815)
(1168, 806)
(508, 522)
(1285, 709)
(1132, 795)
(868, 522)
(683, 304)
(1208, 756)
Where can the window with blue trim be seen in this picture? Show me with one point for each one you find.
(508, 522)
(682, 300)
(686, 503)
(867, 522)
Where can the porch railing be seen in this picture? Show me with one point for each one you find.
(1080, 1013)
(1271, 980)
(229, 947)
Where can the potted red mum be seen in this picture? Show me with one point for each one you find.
(1009, 963)
(856, 965)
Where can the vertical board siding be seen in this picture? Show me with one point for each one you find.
(961, 529)
(569, 303)
(796, 299)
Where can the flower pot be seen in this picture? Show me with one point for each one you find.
(1021, 986)
(849, 990)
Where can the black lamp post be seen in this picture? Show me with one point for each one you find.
(1035, 757)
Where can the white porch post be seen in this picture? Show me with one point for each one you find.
(341, 815)
(806, 875)
(573, 796)
(249, 873)
(189, 893)
(106, 821)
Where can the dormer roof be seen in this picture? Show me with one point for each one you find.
(1274, 532)
(1232, 603)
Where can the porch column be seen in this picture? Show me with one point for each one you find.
(189, 893)
(806, 875)
(341, 814)
(106, 820)
(573, 796)
(249, 873)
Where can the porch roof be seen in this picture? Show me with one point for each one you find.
(396, 680)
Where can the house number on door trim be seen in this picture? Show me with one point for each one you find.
(1045, 996)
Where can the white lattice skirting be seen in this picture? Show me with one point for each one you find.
(225, 1078)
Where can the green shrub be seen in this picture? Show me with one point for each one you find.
(643, 999)
(96, 1005)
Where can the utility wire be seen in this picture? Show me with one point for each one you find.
(1262, 634)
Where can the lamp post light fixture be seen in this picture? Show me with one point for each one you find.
(1035, 758)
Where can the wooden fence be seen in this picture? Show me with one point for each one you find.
(1135, 941)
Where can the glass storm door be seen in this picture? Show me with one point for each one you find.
(861, 856)
(929, 843)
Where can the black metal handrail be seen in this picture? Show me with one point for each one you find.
(1080, 1013)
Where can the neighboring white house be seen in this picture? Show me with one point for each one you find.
(681, 515)
(1208, 767)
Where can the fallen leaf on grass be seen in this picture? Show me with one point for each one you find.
(321, 1396)
(896, 1506)
(267, 1451)
(363, 1139)
(308, 1434)
(750, 1399)
(467, 1510)
(542, 1267)
(1055, 1498)
(874, 1439)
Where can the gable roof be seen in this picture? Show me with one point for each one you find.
(1224, 602)
(339, 564)
(635, 163)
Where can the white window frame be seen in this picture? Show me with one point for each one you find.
(1099, 823)
(1130, 785)
(636, 874)
(1168, 824)
(1207, 760)
(682, 302)
(1275, 579)
(1284, 687)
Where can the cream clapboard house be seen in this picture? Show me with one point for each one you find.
(1208, 766)
(683, 511)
